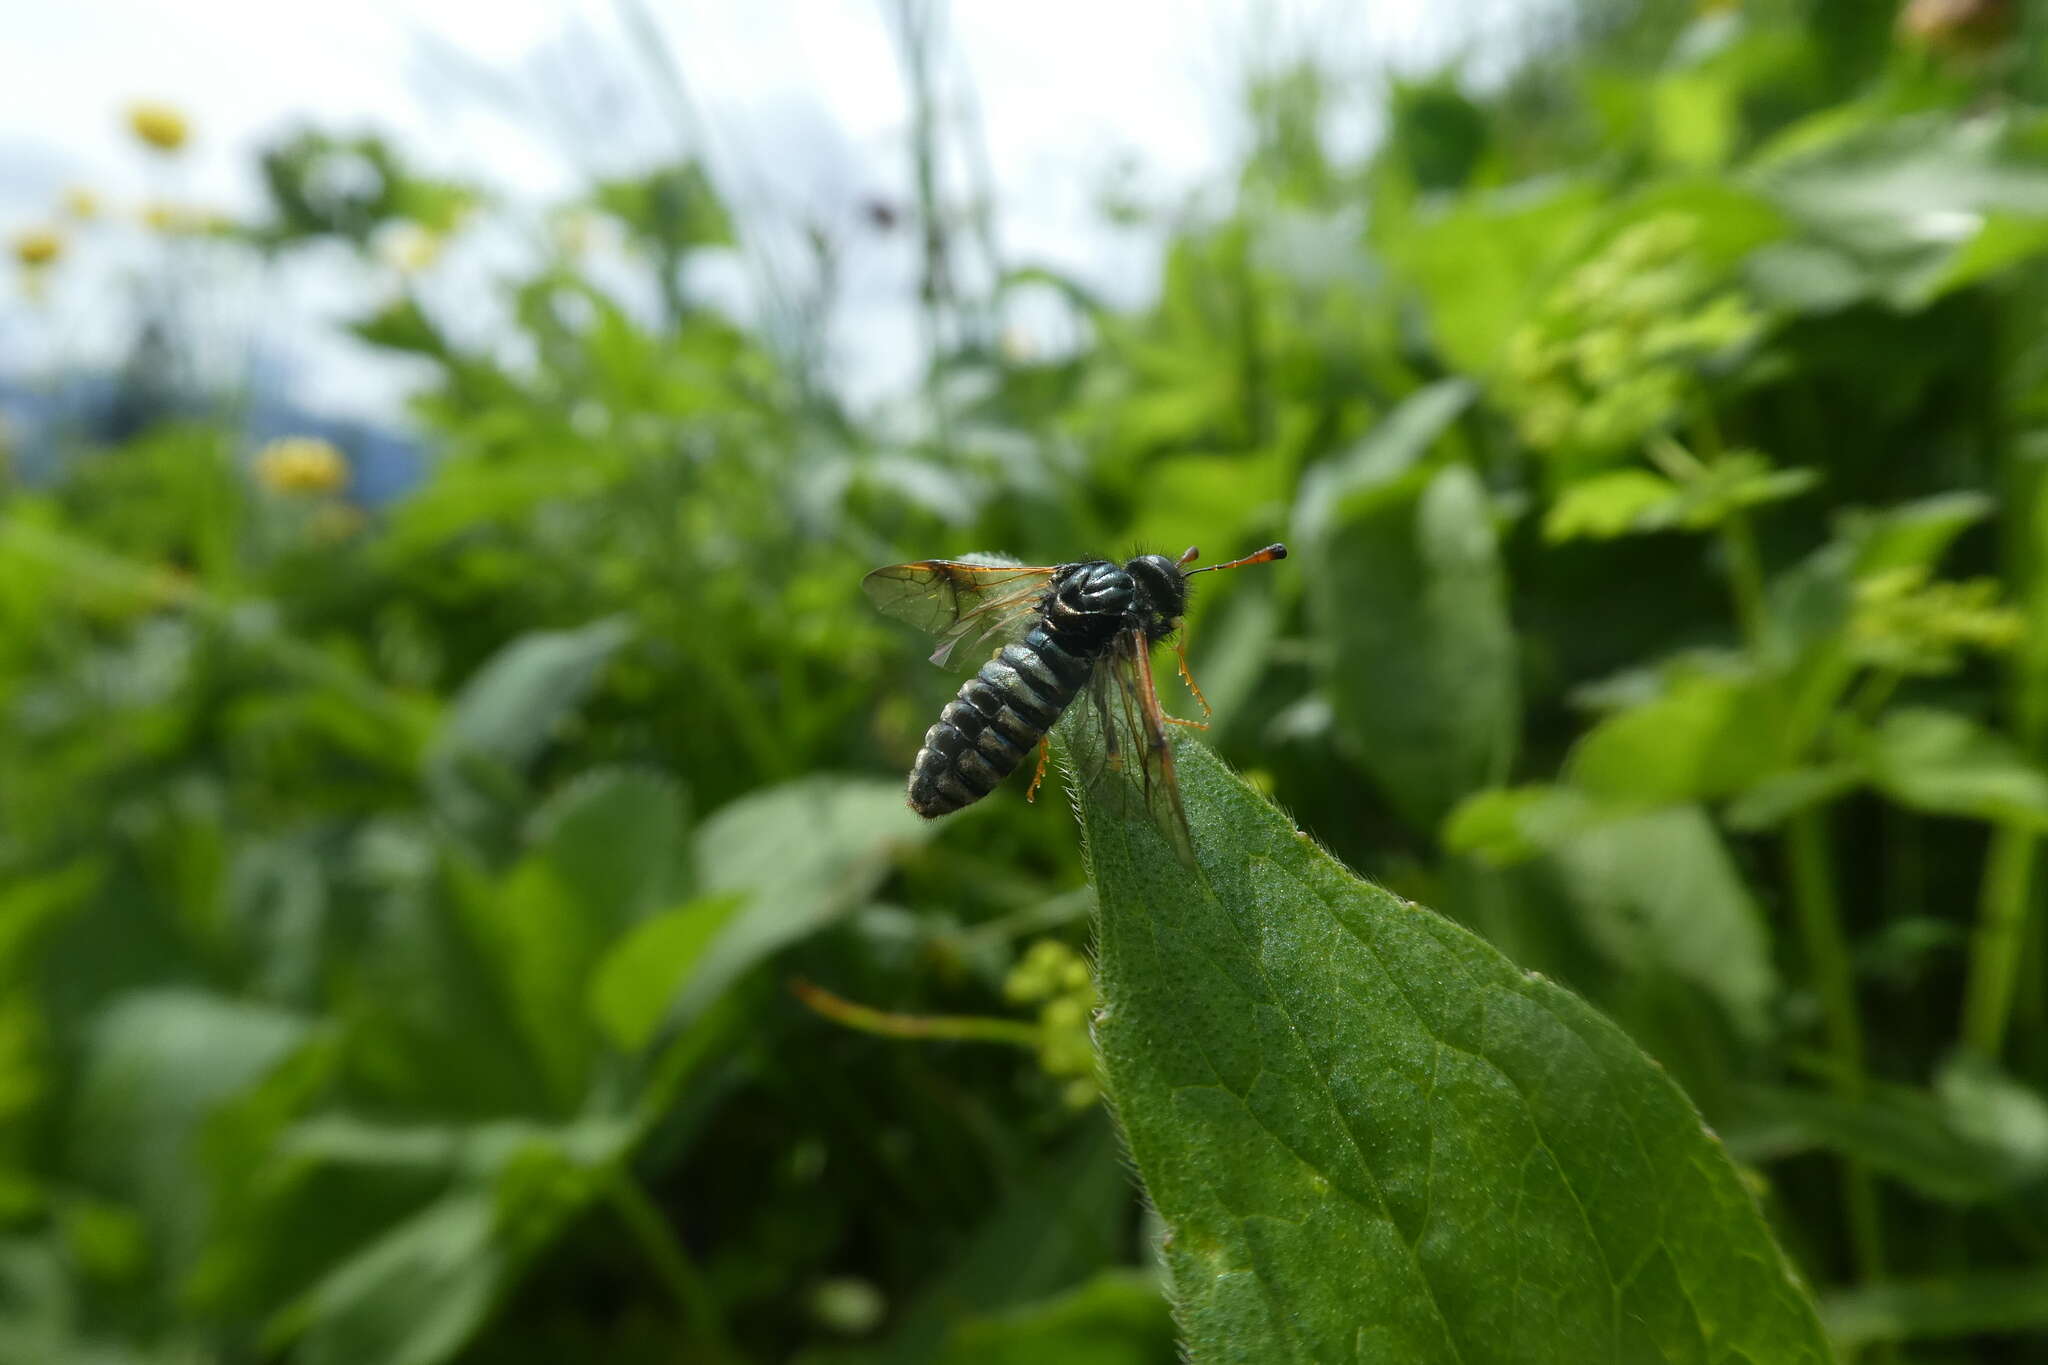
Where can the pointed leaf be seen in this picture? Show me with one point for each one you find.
(1372, 1137)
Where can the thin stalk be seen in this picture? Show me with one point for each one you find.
(1997, 946)
(965, 1028)
(1827, 955)
(1745, 576)
(672, 1265)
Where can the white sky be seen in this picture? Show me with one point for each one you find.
(801, 101)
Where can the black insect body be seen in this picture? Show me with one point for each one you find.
(1004, 711)
(1071, 631)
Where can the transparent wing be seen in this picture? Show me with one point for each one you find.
(1128, 760)
(958, 600)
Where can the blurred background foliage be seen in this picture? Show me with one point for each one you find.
(400, 896)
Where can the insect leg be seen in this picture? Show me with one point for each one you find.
(1180, 650)
(1038, 776)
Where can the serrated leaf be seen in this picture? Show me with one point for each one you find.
(1373, 1138)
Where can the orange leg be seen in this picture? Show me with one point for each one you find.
(1180, 651)
(1044, 752)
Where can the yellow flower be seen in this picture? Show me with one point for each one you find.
(301, 464)
(38, 247)
(81, 203)
(158, 125)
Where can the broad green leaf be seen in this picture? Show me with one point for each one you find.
(1404, 577)
(603, 851)
(159, 1065)
(1960, 1305)
(1786, 793)
(1606, 505)
(802, 853)
(616, 837)
(417, 1291)
(1371, 1137)
(1480, 264)
(510, 708)
(1660, 891)
(1708, 736)
(508, 711)
(1948, 764)
(1924, 205)
(640, 978)
(1910, 1135)
(1504, 825)
(414, 1297)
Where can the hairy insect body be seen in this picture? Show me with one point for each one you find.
(1005, 710)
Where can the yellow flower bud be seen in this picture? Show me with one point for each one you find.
(38, 248)
(301, 464)
(158, 125)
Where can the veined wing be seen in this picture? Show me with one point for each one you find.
(1131, 768)
(959, 600)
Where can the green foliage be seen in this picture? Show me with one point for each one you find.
(399, 902)
(1369, 1133)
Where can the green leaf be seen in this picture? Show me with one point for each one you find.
(509, 709)
(1948, 764)
(1923, 205)
(1660, 891)
(1783, 794)
(506, 714)
(615, 837)
(1607, 505)
(160, 1064)
(802, 853)
(1404, 578)
(1372, 1137)
(1708, 736)
(1117, 1318)
(413, 1297)
(642, 975)
(1938, 1146)
(1479, 265)
(1505, 825)
(1950, 1306)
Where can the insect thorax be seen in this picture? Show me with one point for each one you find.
(1089, 604)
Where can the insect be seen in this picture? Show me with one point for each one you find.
(1066, 632)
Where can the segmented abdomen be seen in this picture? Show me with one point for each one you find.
(1001, 714)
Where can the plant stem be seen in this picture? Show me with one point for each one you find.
(965, 1028)
(1827, 955)
(2001, 923)
(1745, 577)
(672, 1264)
